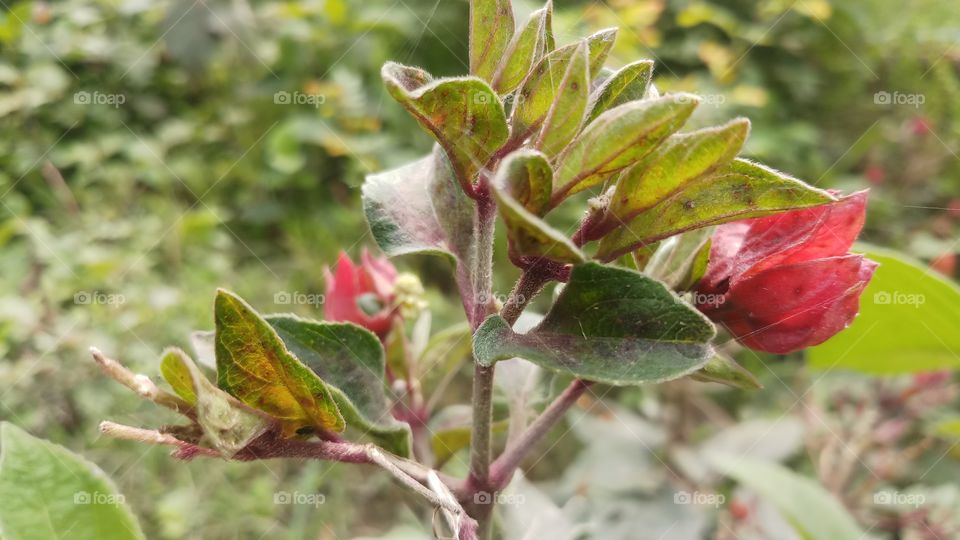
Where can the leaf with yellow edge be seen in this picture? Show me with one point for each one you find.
(255, 366)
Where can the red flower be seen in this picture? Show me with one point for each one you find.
(786, 282)
(361, 294)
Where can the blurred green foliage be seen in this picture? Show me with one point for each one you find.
(245, 129)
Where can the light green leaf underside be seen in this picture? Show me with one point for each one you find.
(813, 511)
(49, 492)
(909, 322)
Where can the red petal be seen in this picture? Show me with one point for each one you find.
(725, 244)
(801, 235)
(792, 307)
(340, 303)
(379, 274)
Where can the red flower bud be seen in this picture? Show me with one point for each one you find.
(361, 294)
(785, 282)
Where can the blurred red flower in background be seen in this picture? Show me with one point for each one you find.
(786, 282)
(361, 294)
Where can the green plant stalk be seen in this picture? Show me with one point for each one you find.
(480, 447)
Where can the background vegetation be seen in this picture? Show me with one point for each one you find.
(119, 219)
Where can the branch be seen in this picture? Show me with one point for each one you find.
(270, 446)
(503, 468)
(142, 385)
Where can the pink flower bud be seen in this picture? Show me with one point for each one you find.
(785, 282)
(361, 294)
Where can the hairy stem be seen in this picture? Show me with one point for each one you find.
(503, 468)
(480, 447)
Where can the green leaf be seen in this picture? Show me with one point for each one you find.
(538, 93)
(254, 366)
(738, 191)
(419, 208)
(177, 375)
(566, 113)
(526, 175)
(530, 236)
(599, 45)
(617, 139)
(675, 256)
(681, 160)
(628, 84)
(351, 361)
(813, 511)
(491, 27)
(909, 322)
(228, 425)
(725, 370)
(610, 325)
(527, 47)
(464, 115)
(50, 492)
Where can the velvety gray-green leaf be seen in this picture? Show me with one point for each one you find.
(419, 208)
(619, 138)
(491, 27)
(680, 160)
(527, 47)
(740, 190)
(611, 325)
(566, 113)
(530, 236)
(350, 360)
(228, 425)
(49, 492)
(526, 175)
(628, 84)
(464, 115)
